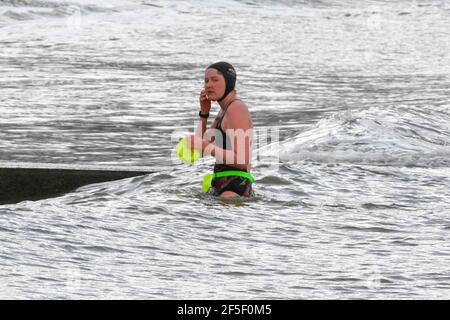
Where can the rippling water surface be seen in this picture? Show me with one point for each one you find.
(356, 204)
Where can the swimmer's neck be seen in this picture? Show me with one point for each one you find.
(225, 102)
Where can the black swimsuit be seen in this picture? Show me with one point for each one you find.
(240, 185)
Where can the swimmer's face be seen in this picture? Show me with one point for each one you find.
(214, 84)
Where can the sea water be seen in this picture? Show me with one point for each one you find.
(350, 101)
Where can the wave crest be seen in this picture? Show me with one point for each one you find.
(401, 136)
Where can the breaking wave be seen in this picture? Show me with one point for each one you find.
(400, 136)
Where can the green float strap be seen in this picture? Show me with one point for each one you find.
(235, 173)
(207, 179)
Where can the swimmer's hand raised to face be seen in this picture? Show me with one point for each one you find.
(205, 103)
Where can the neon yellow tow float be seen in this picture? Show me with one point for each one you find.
(185, 154)
(191, 155)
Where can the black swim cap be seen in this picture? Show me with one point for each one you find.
(228, 73)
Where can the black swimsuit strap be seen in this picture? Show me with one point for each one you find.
(219, 121)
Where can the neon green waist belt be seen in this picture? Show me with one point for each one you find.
(234, 173)
(207, 179)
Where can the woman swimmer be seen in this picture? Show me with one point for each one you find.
(229, 138)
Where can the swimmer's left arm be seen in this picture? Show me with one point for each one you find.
(240, 129)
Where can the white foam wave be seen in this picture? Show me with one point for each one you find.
(398, 136)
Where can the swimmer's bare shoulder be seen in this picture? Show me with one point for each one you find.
(237, 116)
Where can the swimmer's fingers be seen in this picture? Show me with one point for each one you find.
(205, 103)
(203, 95)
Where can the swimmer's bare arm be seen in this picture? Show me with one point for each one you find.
(238, 127)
